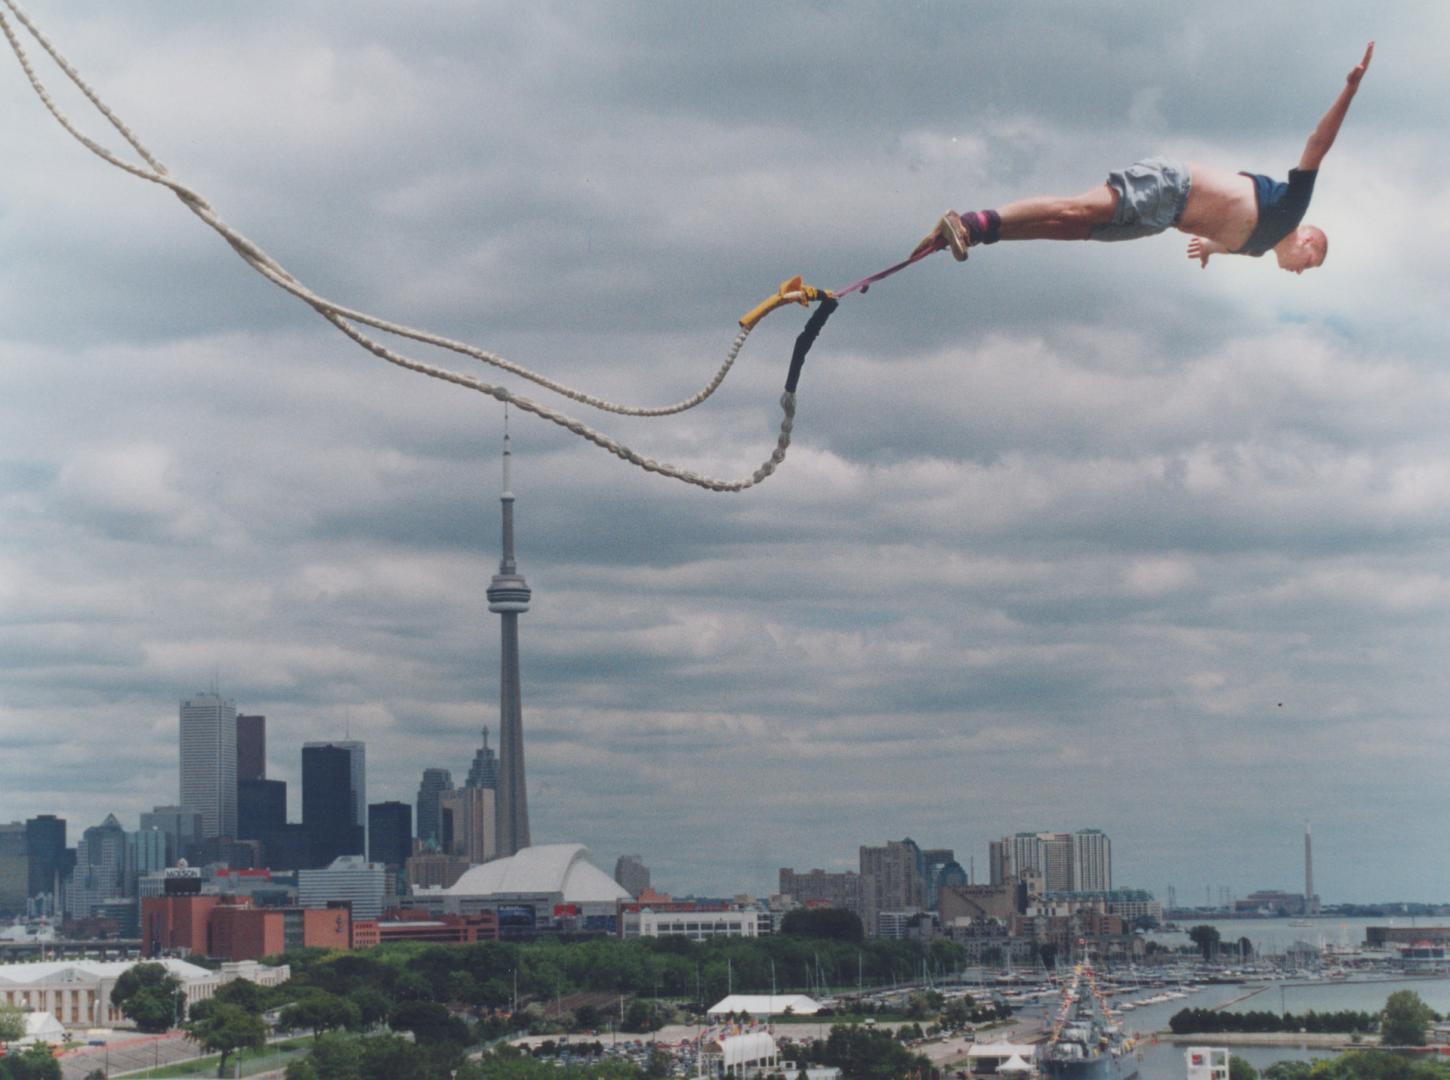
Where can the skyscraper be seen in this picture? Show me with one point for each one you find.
(328, 802)
(182, 829)
(435, 782)
(251, 748)
(1066, 862)
(893, 878)
(100, 872)
(145, 854)
(469, 827)
(508, 596)
(209, 763)
(1092, 861)
(14, 868)
(45, 853)
(390, 833)
(483, 773)
(261, 808)
(357, 775)
(1311, 902)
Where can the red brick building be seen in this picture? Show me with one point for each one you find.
(171, 924)
(420, 926)
(230, 928)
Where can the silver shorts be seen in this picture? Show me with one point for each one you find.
(1151, 196)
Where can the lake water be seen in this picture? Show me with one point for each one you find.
(1273, 937)
(1165, 1060)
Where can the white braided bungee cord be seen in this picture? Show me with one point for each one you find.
(343, 317)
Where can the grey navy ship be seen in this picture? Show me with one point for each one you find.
(1087, 1040)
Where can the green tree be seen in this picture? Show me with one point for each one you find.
(226, 1029)
(430, 1023)
(243, 993)
(1358, 1065)
(1206, 938)
(462, 988)
(35, 1062)
(336, 1056)
(1288, 1070)
(387, 1057)
(957, 1012)
(319, 1011)
(302, 1069)
(372, 1004)
(868, 1054)
(12, 1023)
(150, 997)
(639, 1017)
(1239, 1069)
(1405, 1019)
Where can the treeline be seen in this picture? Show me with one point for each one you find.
(493, 975)
(1211, 1021)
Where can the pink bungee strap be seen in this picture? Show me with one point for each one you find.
(866, 282)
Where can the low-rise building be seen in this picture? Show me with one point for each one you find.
(78, 992)
(688, 921)
(981, 901)
(233, 928)
(418, 926)
(822, 888)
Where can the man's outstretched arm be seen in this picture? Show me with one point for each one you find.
(1323, 137)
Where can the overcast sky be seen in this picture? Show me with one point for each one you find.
(1073, 535)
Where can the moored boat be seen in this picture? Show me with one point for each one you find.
(1087, 1041)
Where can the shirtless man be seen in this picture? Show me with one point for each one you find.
(1226, 213)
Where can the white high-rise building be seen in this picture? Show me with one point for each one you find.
(1067, 862)
(209, 763)
(351, 878)
(1092, 861)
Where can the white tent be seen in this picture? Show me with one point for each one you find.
(766, 1005)
(1014, 1064)
(41, 1027)
(997, 1056)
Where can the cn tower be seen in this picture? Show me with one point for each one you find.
(508, 595)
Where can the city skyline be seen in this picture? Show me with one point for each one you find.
(1069, 534)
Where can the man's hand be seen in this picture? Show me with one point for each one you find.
(1358, 73)
(1201, 249)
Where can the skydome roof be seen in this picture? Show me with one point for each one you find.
(545, 868)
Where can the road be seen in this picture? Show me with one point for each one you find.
(126, 1052)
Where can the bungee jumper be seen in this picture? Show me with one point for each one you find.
(1226, 213)
(1230, 213)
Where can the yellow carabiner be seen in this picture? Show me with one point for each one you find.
(793, 291)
